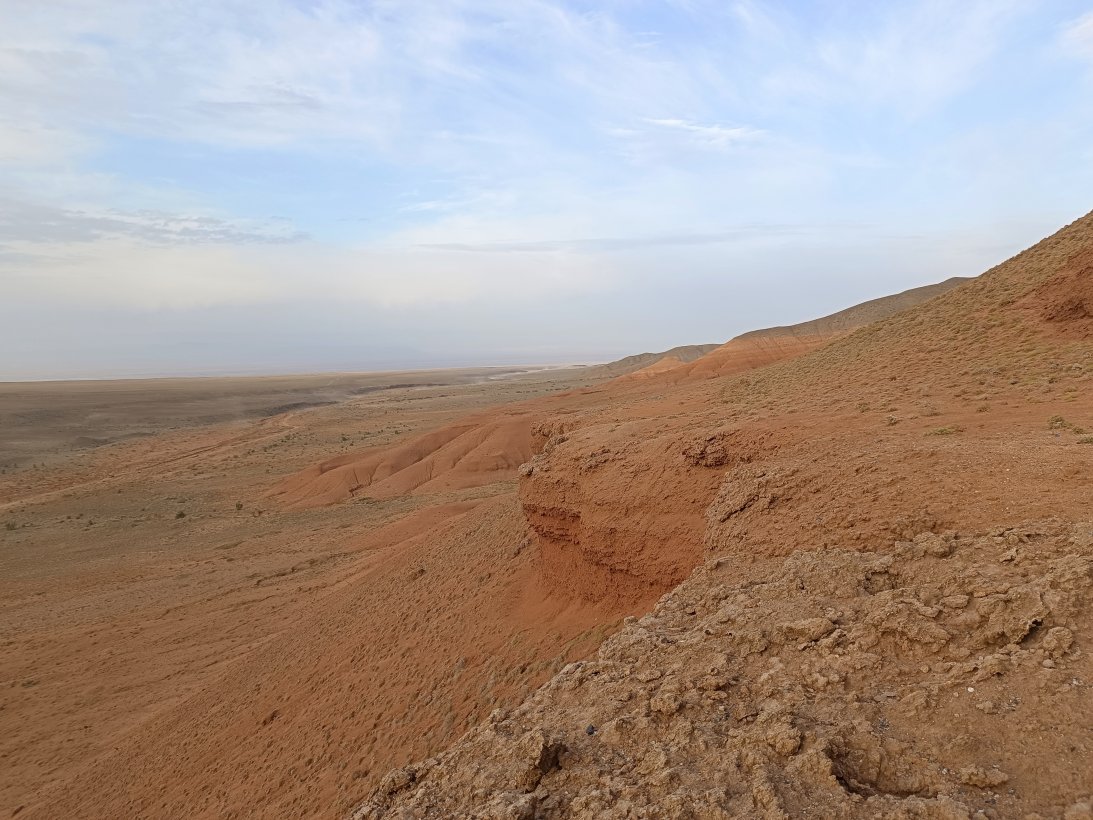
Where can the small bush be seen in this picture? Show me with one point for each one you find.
(238, 505)
(180, 514)
(1058, 423)
(10, 525)
(945, 431)
(1086, 440)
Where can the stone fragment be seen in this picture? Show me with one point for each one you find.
(809, 629)
(982, 778)
(1058, 641)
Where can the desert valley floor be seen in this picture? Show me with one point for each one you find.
(836, 569)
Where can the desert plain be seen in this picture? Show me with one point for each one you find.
(142, 556)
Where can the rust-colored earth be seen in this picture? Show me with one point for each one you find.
(350, 588)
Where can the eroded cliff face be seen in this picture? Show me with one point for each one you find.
(595, 499)
(622, 511)
(618, 496)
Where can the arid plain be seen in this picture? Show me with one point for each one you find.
(139, 570)
(869, 536)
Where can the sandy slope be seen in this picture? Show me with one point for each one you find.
(641, 361)
(341, 694)
(476, 450)
(762, 347)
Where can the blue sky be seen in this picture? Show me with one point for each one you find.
(280, 186)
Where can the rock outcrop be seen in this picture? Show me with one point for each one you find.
(928, 680)
(594, 499)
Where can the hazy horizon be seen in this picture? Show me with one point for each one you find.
(313, 186)
(392, 368)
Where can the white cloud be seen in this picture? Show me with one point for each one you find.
(711, 136)
(30, 145)
(1078, 36)
(240, 71)
(32, 223)
(428, 80)
(910, 57)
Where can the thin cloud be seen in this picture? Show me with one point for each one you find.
(711, 136)
(31, 223)
(608, 244)
(1078, 36)
(34, 145)
(911, 57)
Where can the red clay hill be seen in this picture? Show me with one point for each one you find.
(486, 448)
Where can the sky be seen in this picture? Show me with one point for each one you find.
(277, 186)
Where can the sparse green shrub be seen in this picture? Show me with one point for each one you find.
(945, 431)
(1086, 440)
(1058, 423)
